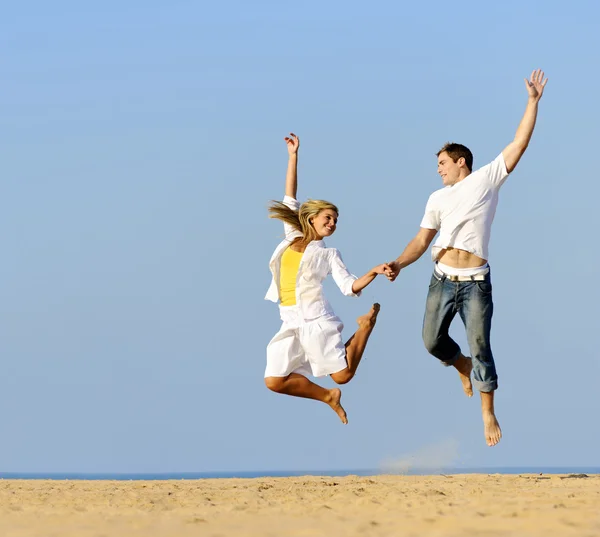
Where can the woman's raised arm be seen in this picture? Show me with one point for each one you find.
(291, 177)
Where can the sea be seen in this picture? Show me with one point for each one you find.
(568, 470)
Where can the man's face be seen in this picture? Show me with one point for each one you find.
(448, 169)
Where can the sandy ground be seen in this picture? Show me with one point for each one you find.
(453, 505)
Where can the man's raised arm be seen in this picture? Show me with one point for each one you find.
(514, 151)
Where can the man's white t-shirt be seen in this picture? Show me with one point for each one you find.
(463, 213)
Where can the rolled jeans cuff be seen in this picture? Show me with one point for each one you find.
(452, 361)
(485, 387)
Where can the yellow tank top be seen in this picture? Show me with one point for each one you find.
(290, 263)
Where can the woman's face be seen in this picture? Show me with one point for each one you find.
(325, 222)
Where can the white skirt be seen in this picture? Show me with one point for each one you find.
(306, 347)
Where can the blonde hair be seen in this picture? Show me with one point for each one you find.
(300, 219)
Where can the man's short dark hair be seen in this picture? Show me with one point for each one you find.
(456, 151)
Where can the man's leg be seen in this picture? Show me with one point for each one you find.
(476, 308)
(355, 346)
(439, 312)
(491, 427)
(299, 386)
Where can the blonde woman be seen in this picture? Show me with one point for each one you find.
(309, 341)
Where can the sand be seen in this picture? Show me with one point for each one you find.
(453, 505)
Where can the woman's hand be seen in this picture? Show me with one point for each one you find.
(360, 283)
(384, 268)
(293, 144)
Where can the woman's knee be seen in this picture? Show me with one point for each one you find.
(275, 384)
(342, 377)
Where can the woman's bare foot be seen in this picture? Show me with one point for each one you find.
(491, 429)
(355, 346)
(334, 402)
(464, 366)
(368, 320)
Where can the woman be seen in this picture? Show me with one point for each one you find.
(310, 338)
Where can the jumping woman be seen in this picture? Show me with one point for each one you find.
(309, 341)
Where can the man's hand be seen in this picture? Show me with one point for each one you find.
(536, 84)
(293, 143)
(393, 270)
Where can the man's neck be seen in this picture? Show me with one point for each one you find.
(461, 177)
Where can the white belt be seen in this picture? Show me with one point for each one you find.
(453, 278)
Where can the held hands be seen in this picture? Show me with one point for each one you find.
(384, 268)
(536, 84)
(293, 143)
(393, 269)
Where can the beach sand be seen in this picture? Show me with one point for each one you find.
(452, 505)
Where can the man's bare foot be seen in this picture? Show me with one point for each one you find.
(334, 402)
(491, 429)
(464, 366)
(368, 320)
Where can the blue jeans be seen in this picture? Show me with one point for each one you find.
(472, 300)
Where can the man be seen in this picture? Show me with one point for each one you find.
(463, 212)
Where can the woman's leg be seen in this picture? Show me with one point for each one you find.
(285, 353)
(355, 346)
(299, 386)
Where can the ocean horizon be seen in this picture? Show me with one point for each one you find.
(159, 476)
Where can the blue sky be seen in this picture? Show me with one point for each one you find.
(141, 144)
